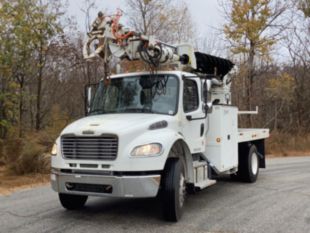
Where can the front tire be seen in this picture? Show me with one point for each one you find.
(174, 190)
(249, 165)
(72, 202)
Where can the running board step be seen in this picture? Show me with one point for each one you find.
(202, 175)
(205, 183)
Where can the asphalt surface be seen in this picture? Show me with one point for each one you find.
(278, 202)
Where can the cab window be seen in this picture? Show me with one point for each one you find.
(190, 96)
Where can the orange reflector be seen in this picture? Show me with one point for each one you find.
(157, 179)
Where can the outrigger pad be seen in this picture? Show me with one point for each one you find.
(208, 64)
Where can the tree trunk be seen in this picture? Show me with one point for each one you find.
(38, 105)
(250, 78)
(39, 89)
(31, 114)
(3, 130)
(21, 106)
(275, 126)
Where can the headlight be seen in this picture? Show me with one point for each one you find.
(54, 149)
(152, 149)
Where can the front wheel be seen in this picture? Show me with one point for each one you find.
(72, 202)
(174, 190)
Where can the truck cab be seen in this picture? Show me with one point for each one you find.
(163, 134)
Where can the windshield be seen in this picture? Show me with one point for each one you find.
(137, 94)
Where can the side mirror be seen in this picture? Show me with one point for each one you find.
(208, 107)
(87, 98)
(89, 93)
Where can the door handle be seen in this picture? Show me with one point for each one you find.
(202, 129)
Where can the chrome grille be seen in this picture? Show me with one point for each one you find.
(93, 148)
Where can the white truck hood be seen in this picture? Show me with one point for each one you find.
(113, 123)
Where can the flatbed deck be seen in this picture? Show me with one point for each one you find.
(246, 135)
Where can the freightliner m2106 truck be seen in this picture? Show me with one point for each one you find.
(155, 133)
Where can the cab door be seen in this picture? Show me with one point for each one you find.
(194, 116)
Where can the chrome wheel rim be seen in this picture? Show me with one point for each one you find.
(182, 190)
(254, 163)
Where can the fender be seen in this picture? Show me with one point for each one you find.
(186, 157)
(168, 138)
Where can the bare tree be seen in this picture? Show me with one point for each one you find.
(212, 44)
(168, 20)
(297, 42)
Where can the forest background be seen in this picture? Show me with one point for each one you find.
(43, 73)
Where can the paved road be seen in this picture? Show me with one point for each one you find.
(278, 202)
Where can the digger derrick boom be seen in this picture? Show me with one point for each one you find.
(108, 38)
(115, 40)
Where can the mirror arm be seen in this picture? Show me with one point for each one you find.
(190, 118)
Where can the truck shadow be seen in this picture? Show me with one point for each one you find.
(146, 207)
(151, 208)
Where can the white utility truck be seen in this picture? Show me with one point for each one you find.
(156, 133)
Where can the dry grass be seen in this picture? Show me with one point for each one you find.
(25, 156)
(11, 183)
(281, 145)
(1, 152)
(290, 153)
(23, 164)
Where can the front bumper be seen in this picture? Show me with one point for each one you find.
(108, 186)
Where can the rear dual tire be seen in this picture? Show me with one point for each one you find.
(248, 169)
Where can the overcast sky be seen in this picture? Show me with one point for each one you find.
(206, 14)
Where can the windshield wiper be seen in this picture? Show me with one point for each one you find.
(133, 110)
(102, 111)
(95, 110)
(142, 110)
